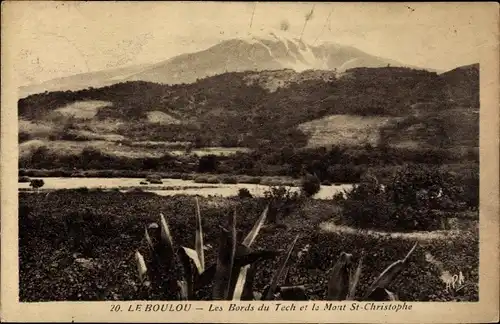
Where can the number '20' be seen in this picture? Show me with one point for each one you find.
(115, 308)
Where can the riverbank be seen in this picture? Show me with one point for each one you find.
(170, 187)
(197, 177)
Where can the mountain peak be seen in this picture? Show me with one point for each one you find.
(259, 50)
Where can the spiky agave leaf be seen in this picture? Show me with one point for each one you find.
(338, 285)
(248, 292)
(188, 280)
(354, 280)
(141, 266)
(206, 277)
(389, 274)
(278, 274)
(247, 242)
(225, 261)
(148, 239)
(193, 255)
(184, 293)
(245, 258)
(250, 238)
(245, 291)
(166, 238)
(198, 245)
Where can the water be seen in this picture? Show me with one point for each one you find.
(177, 186)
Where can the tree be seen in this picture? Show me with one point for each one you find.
(208, 163)
(37, 183)
(310, 185)
(244, 193)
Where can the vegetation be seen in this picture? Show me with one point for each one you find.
(282, 202)
(310, 185)
(254, 117)
(23, 179)
(416, 179)
(233, 260)
(335, 164)
(415, 198)
(94, 260)
(233, 274)
(244, 193)
(37, 183)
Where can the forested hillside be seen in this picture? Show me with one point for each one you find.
(240, 108)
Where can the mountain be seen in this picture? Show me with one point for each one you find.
(388, 105)
(254, 52)
(258, 53)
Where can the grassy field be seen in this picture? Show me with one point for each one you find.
(96, 262)
(345, 130)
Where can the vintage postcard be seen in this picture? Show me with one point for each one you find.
(250, 162)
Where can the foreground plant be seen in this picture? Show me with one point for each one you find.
(232, 276)
(344, 280)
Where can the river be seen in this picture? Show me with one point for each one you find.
(172, 186)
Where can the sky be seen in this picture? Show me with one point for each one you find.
(55, 39)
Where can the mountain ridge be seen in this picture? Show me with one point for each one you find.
(254, 52)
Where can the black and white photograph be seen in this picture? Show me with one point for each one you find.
(248, 151)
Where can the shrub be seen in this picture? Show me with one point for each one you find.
(137, 190)
(282, 201)
(155, 181)
(228, 179)
(206, 179)
(250, 180)
(201, 179)
(153, 178)
(37, 183)
(244, 193)
(187, 176)
(339, 197)
(208, 163)
(175, 175)
(213, 179)
(366, 206)
(410, 201)
(82, 190)
(310, 185)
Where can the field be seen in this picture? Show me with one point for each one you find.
(345, 130)
(96, 261)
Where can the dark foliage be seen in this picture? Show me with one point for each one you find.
(415, 198)
(37, 183)
(105, 228)
(244, 193)
(310, 185)
(282, 202)
(22, 179)
(207, 163)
